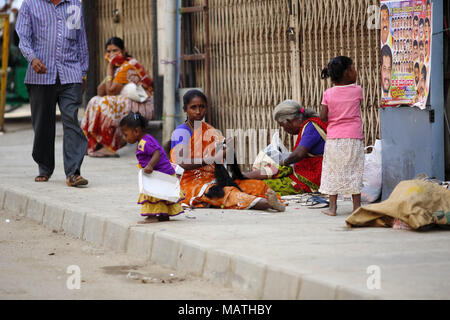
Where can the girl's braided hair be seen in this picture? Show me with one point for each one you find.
(133, 120)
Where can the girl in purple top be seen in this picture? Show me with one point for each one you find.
(151, 156)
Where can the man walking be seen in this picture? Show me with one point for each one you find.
(53, 40)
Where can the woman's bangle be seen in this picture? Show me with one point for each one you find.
(108, 78)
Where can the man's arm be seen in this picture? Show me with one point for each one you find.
(24, 30)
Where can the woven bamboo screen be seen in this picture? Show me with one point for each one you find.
(339, 27)
(134, 27)
(255, 64)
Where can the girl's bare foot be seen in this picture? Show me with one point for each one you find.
(329, 212)
(356, 201)
(274, 202)
(149, 219)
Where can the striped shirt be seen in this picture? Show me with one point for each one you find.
(56, 36)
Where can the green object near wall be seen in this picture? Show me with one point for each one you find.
(17, 93)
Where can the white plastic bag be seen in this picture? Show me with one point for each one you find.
(276, 149)
(134, 92)
(265, 164)
(159, 185)
(372, 176)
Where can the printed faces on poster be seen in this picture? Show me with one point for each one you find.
(406, 31)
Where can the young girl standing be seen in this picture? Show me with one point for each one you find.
(151, 156)
(343, 159)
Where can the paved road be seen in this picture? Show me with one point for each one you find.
(34, 262)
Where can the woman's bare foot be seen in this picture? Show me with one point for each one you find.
(149, 219)
(106, 151)
(103, 153)
(329, 212)
(274, 202)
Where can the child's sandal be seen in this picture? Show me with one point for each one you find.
(163, 217)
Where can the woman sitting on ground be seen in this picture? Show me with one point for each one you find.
(305, 174)
(104, 111)
(194, 149)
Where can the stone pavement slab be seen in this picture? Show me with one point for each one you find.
(298, 254)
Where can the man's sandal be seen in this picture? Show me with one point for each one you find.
(76, 180)
(41, 178)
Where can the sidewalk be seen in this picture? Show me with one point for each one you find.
(298, 254)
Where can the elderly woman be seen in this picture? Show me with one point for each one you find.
(301, 171)
(104, 111)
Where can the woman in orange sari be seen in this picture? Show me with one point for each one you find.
(104, 111)
(194, 149)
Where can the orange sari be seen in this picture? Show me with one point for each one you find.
(195, 183)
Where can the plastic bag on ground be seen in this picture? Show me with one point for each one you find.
(372, 176)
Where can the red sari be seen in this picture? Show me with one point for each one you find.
(308, 171)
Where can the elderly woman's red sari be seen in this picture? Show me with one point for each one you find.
(308, 171)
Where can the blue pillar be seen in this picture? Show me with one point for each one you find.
(412, 141)
(437, 91)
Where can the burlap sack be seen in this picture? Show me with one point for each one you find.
(415, 202)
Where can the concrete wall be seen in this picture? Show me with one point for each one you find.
(406, 145)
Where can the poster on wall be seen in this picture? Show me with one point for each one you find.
(406, 31)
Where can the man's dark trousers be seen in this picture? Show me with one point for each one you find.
(43, 99)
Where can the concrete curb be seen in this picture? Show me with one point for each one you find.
(94, 229)
(15, 202)
(140, 242)
(255, 278)
(54, 216)
(73, 223)
(35, 210)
